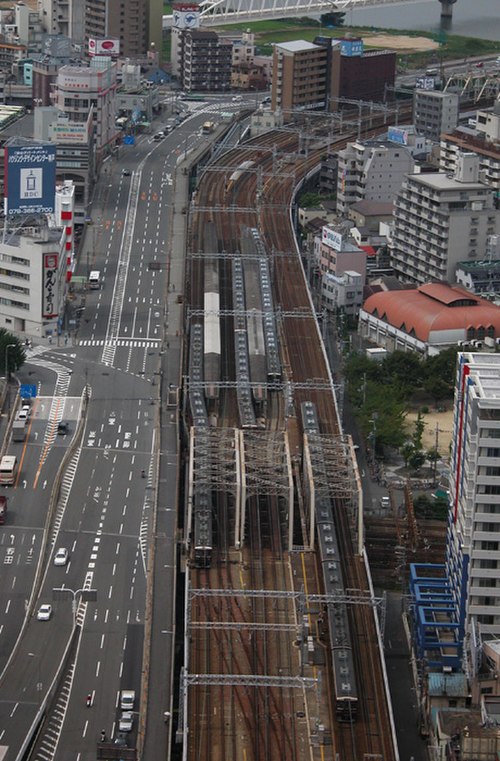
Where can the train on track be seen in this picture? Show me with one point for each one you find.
(341, 645)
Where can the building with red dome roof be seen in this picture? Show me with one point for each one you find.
(428, 319)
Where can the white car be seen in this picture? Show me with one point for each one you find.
(385, 502)
(44, 612)
(126, 721)
(237, 98)
(24, 412)
(61, 557)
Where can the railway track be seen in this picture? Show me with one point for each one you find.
(253, 188)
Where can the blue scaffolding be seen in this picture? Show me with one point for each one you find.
(439, 614)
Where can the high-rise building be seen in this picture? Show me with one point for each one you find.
(440, 220)
(206, 61)
(435, 112)
(81, 88)
(373, 170)
(64, 17)
(473, 548)
(305, 75)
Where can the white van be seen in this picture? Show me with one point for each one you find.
(95, 280)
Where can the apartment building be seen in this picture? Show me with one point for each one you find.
(440, 220)
(64, 17)
(373, 170)
(82, 88)
(305, 76)
(206, 61)
(435, 112)
(484, 141)
(367, 76)
(473, 546)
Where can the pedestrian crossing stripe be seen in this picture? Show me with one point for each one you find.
(129, 343)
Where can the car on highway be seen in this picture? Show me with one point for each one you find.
(158, 136)
(237, 98)
(126, 721)
(24, 412)
(61, 557)
(44, 612)
(62, 428)
(126, 172)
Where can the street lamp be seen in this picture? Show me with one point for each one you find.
(9, 346)
(85, 595)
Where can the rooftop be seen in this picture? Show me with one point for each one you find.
(298, 46)
(441, 181)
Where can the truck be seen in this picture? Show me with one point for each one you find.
(127, 700)
(19, 430)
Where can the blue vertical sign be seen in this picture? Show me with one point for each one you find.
(30, 179)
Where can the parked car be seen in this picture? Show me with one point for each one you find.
(61, 557)
(44, 612)
(126, 721)
(385, 502)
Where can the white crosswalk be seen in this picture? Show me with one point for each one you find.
(129, 343)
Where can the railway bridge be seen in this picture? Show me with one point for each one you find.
(220, 12)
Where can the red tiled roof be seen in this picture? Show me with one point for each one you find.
(429, 308)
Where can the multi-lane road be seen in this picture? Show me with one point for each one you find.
(105, 383)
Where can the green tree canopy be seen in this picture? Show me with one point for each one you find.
(11, 352)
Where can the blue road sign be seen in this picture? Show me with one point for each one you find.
(27, 391)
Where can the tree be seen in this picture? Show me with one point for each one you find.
(11, 352)
(405, 370)
(416, 459)
(438, 388)
(419, 430)
(332, 19)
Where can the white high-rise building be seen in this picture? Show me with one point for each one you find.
(440, 220)
(473, 550)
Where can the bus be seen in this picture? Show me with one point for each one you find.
(8, 469)
(207, 128)
(95, 280)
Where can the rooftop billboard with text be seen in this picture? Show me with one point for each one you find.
(30, 179)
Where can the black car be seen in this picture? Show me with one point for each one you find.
(121, 740)
(126, 172)
(62, 429)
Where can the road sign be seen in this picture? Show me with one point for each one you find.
(27, 391)
(129, 140)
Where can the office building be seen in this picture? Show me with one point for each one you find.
(80, 89)
(137, 24)
(373, 170)
(367, 77)
(440, 220)
(64, 17)
(435, 112)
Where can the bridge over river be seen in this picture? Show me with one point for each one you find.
(221, 12)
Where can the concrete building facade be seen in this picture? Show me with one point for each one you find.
(136, 23)
(441, 220)
(435, 112)
(206, 61)
(305, 76)
(473, 546)
(80, 89)
(371, 171)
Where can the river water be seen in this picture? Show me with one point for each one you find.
(471, 18)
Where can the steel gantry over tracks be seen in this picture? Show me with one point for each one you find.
(218, 12)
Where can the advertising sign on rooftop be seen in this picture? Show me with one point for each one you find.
(30, 179)
(108, 46)
(186, 15)
(331, 238)
(398, 135)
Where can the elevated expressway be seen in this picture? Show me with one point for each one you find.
(250, 689)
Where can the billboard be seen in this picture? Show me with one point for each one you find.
(398, 135)
(108, 46)
(30, 179)
(331, 238)
(49, 290)
(186, 15)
